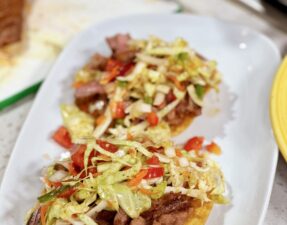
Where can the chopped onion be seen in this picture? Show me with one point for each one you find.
(98, 105)
(151, 60)
(138, 107)
(183, 162)
(159, 98)
(98, 208)
(120, 153)
(163, 88)
(162, 158)
(170, 152)
(156, 180)
(145, 108)
(59, 175)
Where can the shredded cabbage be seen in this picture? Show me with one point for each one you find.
(100, 129)
(159, 134)
(133, 203)
(86, 219)
(79, 124)
(134, 144)
(192, 93)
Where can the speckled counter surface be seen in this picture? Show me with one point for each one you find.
(12, 119)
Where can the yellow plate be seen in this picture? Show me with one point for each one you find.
(278, 108)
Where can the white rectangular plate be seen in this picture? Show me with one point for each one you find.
(237, 118)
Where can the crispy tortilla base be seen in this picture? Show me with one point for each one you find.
(176, 130)
(199, 214)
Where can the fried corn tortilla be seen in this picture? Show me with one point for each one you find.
(176, 130)
(200, 214)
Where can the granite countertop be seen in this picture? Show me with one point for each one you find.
(12, 119)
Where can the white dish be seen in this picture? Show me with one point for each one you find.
(237, 118)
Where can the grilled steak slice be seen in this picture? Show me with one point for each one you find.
(185, 108)
(89, 94)
(173, 218)
(120, 48)
(105, 217)
(89, 90)
(167, 204)
(138, 221)
(121, 218)
(97, 62)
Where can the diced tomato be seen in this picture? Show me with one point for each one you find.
(67, 193)
(119, 110)
(194, 143)
(153, 160)
(91, 170)
(116, 68)
(51, 183)
(170, 97)
(107, 146)
(72, 169)
(152, 119)
(155, 149)
(154, 172)
(77, 157)
(213, 148)
(62, 137)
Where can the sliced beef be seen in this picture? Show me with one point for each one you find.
(121, 218)
(91, 93)
(185, 108)
(169, 203)
(138, 221)
(105, 217)
(89, 90)
(119, 45)
(173, 218)
(35, 217)
(97, 62)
